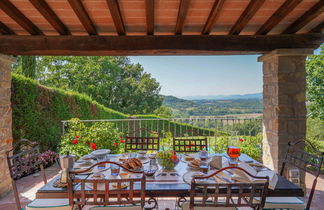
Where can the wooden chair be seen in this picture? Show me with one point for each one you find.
(304, 161)
(83, 190)
(227, 195)
(149, 141)
(23, 163)
(190, 144)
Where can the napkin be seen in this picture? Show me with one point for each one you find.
(243, 177)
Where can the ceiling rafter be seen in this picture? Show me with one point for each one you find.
(280, 14)
(149, 8)
(12, 11)
(5, 30)
(213, 15)
(182, 14)
(308, 16)
(318, 29)
(152, 45)
(246, 16)
(83, 16)
(50, 16)
(116, 16)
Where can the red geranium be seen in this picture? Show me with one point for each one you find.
(75, 141)
(77, 137)
(192, 144)
(116, 144)
(188, 147)
(202, 147)
(241, 140)
(122, 141)
(93, 146)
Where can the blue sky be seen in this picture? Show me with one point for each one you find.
(204, 75)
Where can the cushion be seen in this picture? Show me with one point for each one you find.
(128, 207)
(284, 202)
(49, 204)
(186, 206)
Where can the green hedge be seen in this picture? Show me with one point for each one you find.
(38, 111)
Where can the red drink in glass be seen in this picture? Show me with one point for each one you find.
(233, 152)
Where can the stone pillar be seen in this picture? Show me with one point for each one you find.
(284, 102)
(5, 120)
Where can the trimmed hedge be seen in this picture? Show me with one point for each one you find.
(39, 110)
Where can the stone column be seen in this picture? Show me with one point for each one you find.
(284, 102)
(5, 120)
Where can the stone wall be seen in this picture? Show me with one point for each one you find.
(5, 120)
(284, 101)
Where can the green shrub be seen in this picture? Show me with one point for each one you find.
(39, 110)
(251, 145)
(80, 139)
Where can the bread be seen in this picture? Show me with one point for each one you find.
(138, 162)
(195, 163)
(132, 163)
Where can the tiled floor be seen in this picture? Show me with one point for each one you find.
(28, 186)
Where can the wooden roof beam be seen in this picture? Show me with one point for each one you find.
(83, 16)
(281, 13)
(50, 16)
(5, 30)
(246, 16)
(149, 7)
(307, 17)
(155, 45)
(213, 15)
(12, 11)
(183, 10)
(318, 29)
(116, 16)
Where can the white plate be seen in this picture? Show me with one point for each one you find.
(100, 152)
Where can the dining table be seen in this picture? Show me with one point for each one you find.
(173, 184)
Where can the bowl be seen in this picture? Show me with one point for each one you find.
(100, 152)
(167, 163)
(150, 172)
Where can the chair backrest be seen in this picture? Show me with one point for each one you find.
(146, 140)
(190, 144)
(228, 194)
(310, 163)
(86, 190)
(24, 163)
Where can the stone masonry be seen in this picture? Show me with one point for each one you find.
(284, 102)
(5, 120)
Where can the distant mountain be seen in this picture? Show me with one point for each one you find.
(212, 107)
(225, 97)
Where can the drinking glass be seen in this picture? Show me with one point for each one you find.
(233, 150)
(101, 159)
(203, 154)
(132, 155)
(204, 167)
(114, 170)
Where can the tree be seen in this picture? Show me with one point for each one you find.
(164, 111)
(315, 84)
(112, 81)
(26, 65)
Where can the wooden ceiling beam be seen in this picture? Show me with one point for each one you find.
(155, 45)
(281, 13)
(116, 16)
(182, 14)
(149, 7)
(307, 17)
(246, 16)
(213, 15)
(12, 11)
(83, 16)
(318, 29)
(50, 16)
(5, 30)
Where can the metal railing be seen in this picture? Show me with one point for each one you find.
(205, 126)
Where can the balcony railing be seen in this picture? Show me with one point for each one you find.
(217, 130)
